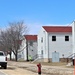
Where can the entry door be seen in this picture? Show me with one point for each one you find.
(55, 57)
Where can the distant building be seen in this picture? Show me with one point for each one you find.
(28, 47)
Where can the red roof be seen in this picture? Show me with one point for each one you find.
(58, 28)
(31, 37)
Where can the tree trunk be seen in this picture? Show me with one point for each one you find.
(10, 55)
(16, 55)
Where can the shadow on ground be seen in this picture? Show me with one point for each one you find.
(8, 68)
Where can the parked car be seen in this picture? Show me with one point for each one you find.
(3, 60)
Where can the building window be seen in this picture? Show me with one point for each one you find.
(53, 38)
(22, 52)
(42, 39)
(31, 43)
(66, 38)
(32, 50)
(42, 52)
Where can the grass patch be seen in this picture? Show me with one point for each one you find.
(52, 63)
(60, 64)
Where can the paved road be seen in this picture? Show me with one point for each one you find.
(2, 73)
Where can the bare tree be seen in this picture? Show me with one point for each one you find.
(11, 37)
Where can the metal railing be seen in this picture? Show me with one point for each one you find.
(71, 57)
(37, 57)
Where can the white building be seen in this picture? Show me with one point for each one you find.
(73, 35)
(28, 47)
(55, 43)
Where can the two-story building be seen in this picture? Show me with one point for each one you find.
(55, 43)
(28, 47)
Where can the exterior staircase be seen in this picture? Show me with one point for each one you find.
(71, 57)
(37, 58)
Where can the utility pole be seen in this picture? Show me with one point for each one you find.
(27, 49)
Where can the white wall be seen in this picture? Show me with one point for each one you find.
(60, 45)
(12, 56)
(43, 45)
(32, 50)
(22, 50)
(73, 35)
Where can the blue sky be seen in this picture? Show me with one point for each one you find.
(37, 13)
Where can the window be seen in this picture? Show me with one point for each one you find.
(1, 54)
(22, 52)
(42, 52)
(53, 38)
(31, 43)
(32, 50)
(42, 39)
(66, 38)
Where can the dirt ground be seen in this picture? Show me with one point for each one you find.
(28, 68)
(17, 71)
